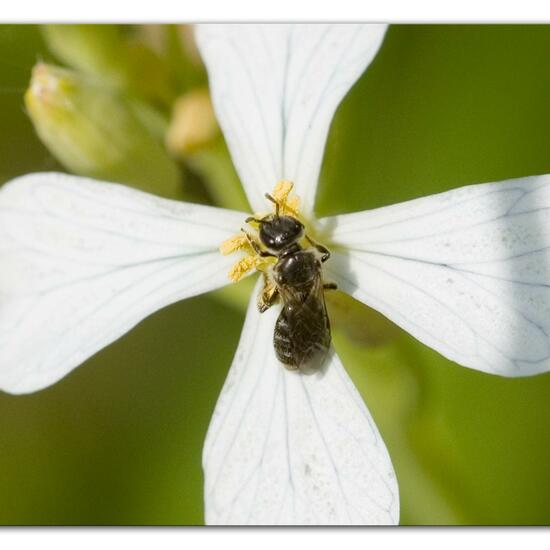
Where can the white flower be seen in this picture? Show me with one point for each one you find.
(466, 272)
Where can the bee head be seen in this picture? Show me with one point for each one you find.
(278, 232)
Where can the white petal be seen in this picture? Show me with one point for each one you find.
(84, 261)
(467, 272)
(275, 89)
(287, 448)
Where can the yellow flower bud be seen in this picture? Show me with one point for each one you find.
(193, 124)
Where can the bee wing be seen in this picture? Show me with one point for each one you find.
(313, 306)
(275, 89)
(286, 448)
(467, 272)
(82, 262)
(317, 309)
(307, 324)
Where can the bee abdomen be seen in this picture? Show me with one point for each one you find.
(282, 342)
(299, 344)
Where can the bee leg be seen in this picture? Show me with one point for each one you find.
(268, 296)
(256, 247)
(330, 286)
(325, 252)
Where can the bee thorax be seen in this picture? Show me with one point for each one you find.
(296, 269)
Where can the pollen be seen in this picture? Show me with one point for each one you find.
(281, 195)
(237, 242)
(250, 244)
(247, 264)
(241, 268)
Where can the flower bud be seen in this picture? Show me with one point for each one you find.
(112, 57)
(194, 136)
(94, 132)
(193, 125)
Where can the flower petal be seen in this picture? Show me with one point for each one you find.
(275, 89)
(85, 261)
(287, 448)
(466, 272)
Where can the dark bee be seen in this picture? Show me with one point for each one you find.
(302, 333)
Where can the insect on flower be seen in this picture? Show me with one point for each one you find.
(302, 330)
(84, 261)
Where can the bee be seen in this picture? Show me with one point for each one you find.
(302, 332)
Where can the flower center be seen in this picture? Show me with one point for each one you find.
(249, 242)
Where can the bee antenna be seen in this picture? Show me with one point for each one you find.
(252, 219)
(270, 198)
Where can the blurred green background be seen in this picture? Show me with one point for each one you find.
(119, 441)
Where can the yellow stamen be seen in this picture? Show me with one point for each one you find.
(280, 194)
(248, 263)
(241, 268)
(282, 190)
(237, 242)
(292, 206)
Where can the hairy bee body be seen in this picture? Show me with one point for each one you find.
(302, 332)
